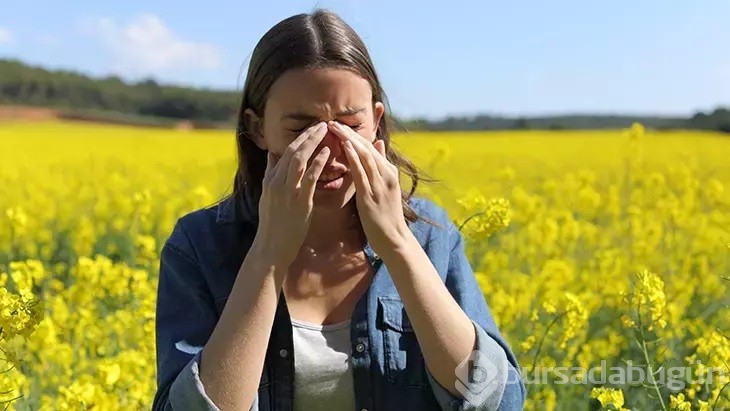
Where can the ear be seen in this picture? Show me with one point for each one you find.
(255, 126)
(378, 112)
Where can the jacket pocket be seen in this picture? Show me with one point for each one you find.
(404, 362)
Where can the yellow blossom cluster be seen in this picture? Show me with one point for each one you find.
(20, 313)
(602, 256)
(609, 397)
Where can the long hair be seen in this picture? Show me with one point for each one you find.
(317, 40)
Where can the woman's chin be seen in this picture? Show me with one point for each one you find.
(333, 198)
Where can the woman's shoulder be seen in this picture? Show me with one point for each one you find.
(428, 208)
(434, 218)
(200, 219)
(205, 225)
(224, 212)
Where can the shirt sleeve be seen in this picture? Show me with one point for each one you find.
(489, 379)
(185, 318)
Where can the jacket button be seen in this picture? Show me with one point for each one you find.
(360, 347)
(283, 352)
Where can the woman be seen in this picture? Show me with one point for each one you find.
(318, 284)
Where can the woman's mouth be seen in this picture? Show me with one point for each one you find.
(331, 181)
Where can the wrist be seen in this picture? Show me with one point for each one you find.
(403, 245)
(267, 257)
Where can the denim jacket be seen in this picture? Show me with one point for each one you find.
(199, 263)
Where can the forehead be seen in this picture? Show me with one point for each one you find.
(322, 92)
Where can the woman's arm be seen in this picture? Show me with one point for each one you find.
(205, 363)
(233, 358)
(453, 325)
(451, 319)
(229, 367)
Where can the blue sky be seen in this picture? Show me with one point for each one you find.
(435, 58)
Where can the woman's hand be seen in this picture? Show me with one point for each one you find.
(377, 190)
(287, 196)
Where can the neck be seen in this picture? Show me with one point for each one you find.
(333, 228)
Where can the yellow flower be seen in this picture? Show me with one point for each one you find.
(636, 131)
(648, 297)
(575, 319)
(556, 223)
(483, 217)
(549, 307)
(679, 403)
(609, 396)
(528, 343)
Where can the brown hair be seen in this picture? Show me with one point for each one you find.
(317, 40)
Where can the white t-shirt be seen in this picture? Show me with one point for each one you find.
(322, 370)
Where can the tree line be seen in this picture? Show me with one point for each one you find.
(82, 97)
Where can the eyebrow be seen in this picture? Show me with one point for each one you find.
(348, 111)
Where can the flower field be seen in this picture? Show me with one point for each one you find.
(603, 255)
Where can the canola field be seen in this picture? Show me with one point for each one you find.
(603, 255)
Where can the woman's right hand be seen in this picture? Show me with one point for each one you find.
(287, 196)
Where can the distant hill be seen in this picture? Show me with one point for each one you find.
(74, 95)
(588, 121)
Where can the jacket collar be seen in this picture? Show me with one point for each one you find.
(241, 208)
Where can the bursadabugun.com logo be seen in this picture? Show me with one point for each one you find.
(479, 376)
(674, 378)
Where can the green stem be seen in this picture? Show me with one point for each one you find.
(481, 213)
(714, 404)
(542, 340)
(651, 373)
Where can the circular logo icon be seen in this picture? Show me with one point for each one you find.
(477, 377)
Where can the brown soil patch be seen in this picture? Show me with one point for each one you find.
(14, 113)
(184, 125)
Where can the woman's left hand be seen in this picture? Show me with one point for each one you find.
(377, 190)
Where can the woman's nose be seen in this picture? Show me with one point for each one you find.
(333, 143)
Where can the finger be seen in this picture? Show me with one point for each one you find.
(377, 148)
(277, 177)
(388, 170)
(292, 148)
(309, 183)
(366, 154)
(386, 164)
(301, 156)
(380, 146)
(270, 163)
(281, 168)
(359, 176)
(347, 133)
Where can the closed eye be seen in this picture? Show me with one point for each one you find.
(352, 126)
(303, 129)
(298, 130)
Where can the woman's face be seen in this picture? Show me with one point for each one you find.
(302, 98)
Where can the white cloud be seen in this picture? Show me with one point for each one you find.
(5, 35)
(145, 45)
